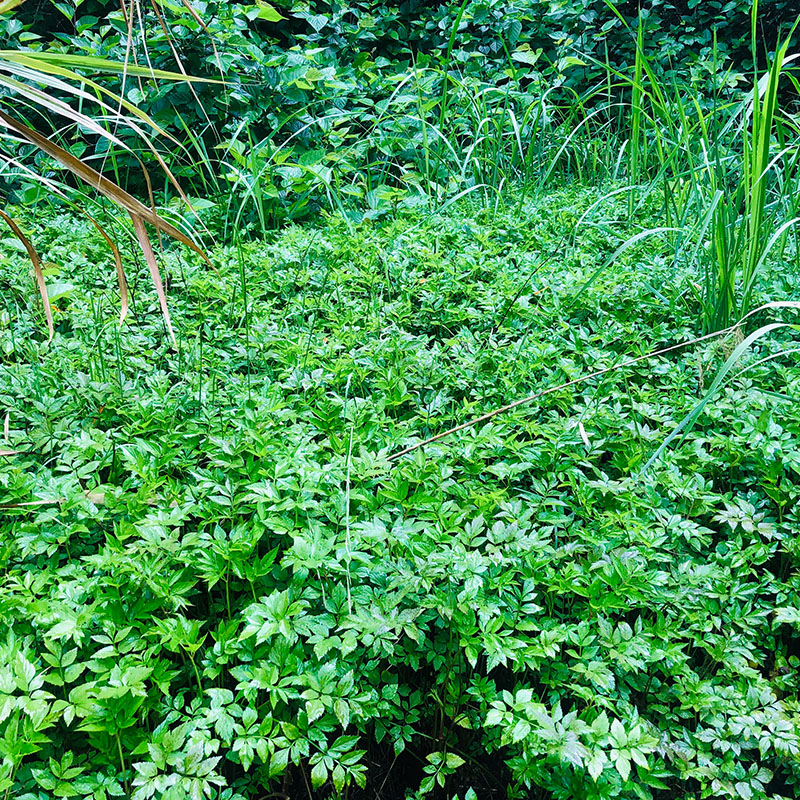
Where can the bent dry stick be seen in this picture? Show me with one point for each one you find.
(629, 363)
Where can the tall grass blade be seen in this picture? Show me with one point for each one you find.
(686, 424)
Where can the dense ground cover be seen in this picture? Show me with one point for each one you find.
(215, 583)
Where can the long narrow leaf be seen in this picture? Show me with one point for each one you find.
(53, 188)
(37, 271)
(150, 258)
(44, 59)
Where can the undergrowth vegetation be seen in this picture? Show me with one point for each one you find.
(215, 582)
(447, 445)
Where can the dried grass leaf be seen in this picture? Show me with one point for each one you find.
(139, 214)
(9, 5)
(105, 186)
(155, 274)
(37, 271)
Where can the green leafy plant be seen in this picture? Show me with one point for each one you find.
(439, 494)
(216, 581)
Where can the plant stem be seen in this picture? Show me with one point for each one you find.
(122, 763)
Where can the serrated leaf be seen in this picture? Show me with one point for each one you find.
(618, 735)
(319, 774)
(596, 763)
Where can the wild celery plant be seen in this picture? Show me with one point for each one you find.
(214, 581)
